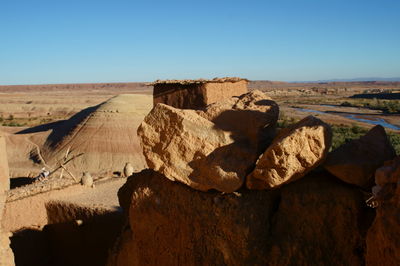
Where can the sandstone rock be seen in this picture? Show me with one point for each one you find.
(4, 174)
(356, 161)
(196, 94)
(4, 171)
(128, 169)
(6, 255)
(315, 221)
(188, 148)
(293, 153)
(383, 245)
(319, 221)
(389, 173)
(250, 117)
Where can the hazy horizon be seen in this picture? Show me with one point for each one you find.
(392, 79)
(48, 42)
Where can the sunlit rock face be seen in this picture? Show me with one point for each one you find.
(294, 152)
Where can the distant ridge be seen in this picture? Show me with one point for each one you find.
(351, 80)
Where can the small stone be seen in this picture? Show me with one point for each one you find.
(128, 169)
(87, 179)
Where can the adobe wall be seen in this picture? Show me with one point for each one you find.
(179, 95)
(196, 95)
(214, 92)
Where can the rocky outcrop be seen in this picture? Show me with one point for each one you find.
(186, 147)
(383, 246)
(319, 221)
(316, 220)
(294, 152)
(4, 173)
(6, 255)
(251, 118)
(210, 149)
(356, 161)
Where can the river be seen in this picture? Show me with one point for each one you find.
(365, 119)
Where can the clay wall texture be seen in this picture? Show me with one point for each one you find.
(196, 95)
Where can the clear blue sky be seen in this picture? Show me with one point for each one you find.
(57, 41)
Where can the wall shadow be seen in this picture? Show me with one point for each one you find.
(31, 247)
(20, 181)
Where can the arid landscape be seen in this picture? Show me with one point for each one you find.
(253, 165)
(152, 133)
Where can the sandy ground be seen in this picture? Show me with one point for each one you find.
(30, 212)
(104, 194)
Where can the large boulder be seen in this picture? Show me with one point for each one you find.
(250, 118)
(185, 146)
(356, 161)
(172, 224)
(383, 245)
(317, 220)
(294, 152)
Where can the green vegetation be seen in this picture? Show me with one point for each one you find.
(10, 120)
(343, 134)
(386, 106)
(395, 139)
(284, 121)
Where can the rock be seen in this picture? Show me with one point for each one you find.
(389, 173)
(4, 170)
(128, 169)
(319, 221)
(6, 255)
(383, 245)
(250, 117)
(196, 94)
(356, 161)
(87, 179)
(294, 152)
(315, 221)
(188, 148)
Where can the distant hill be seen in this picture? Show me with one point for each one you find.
(119, 87)
(357, 80)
